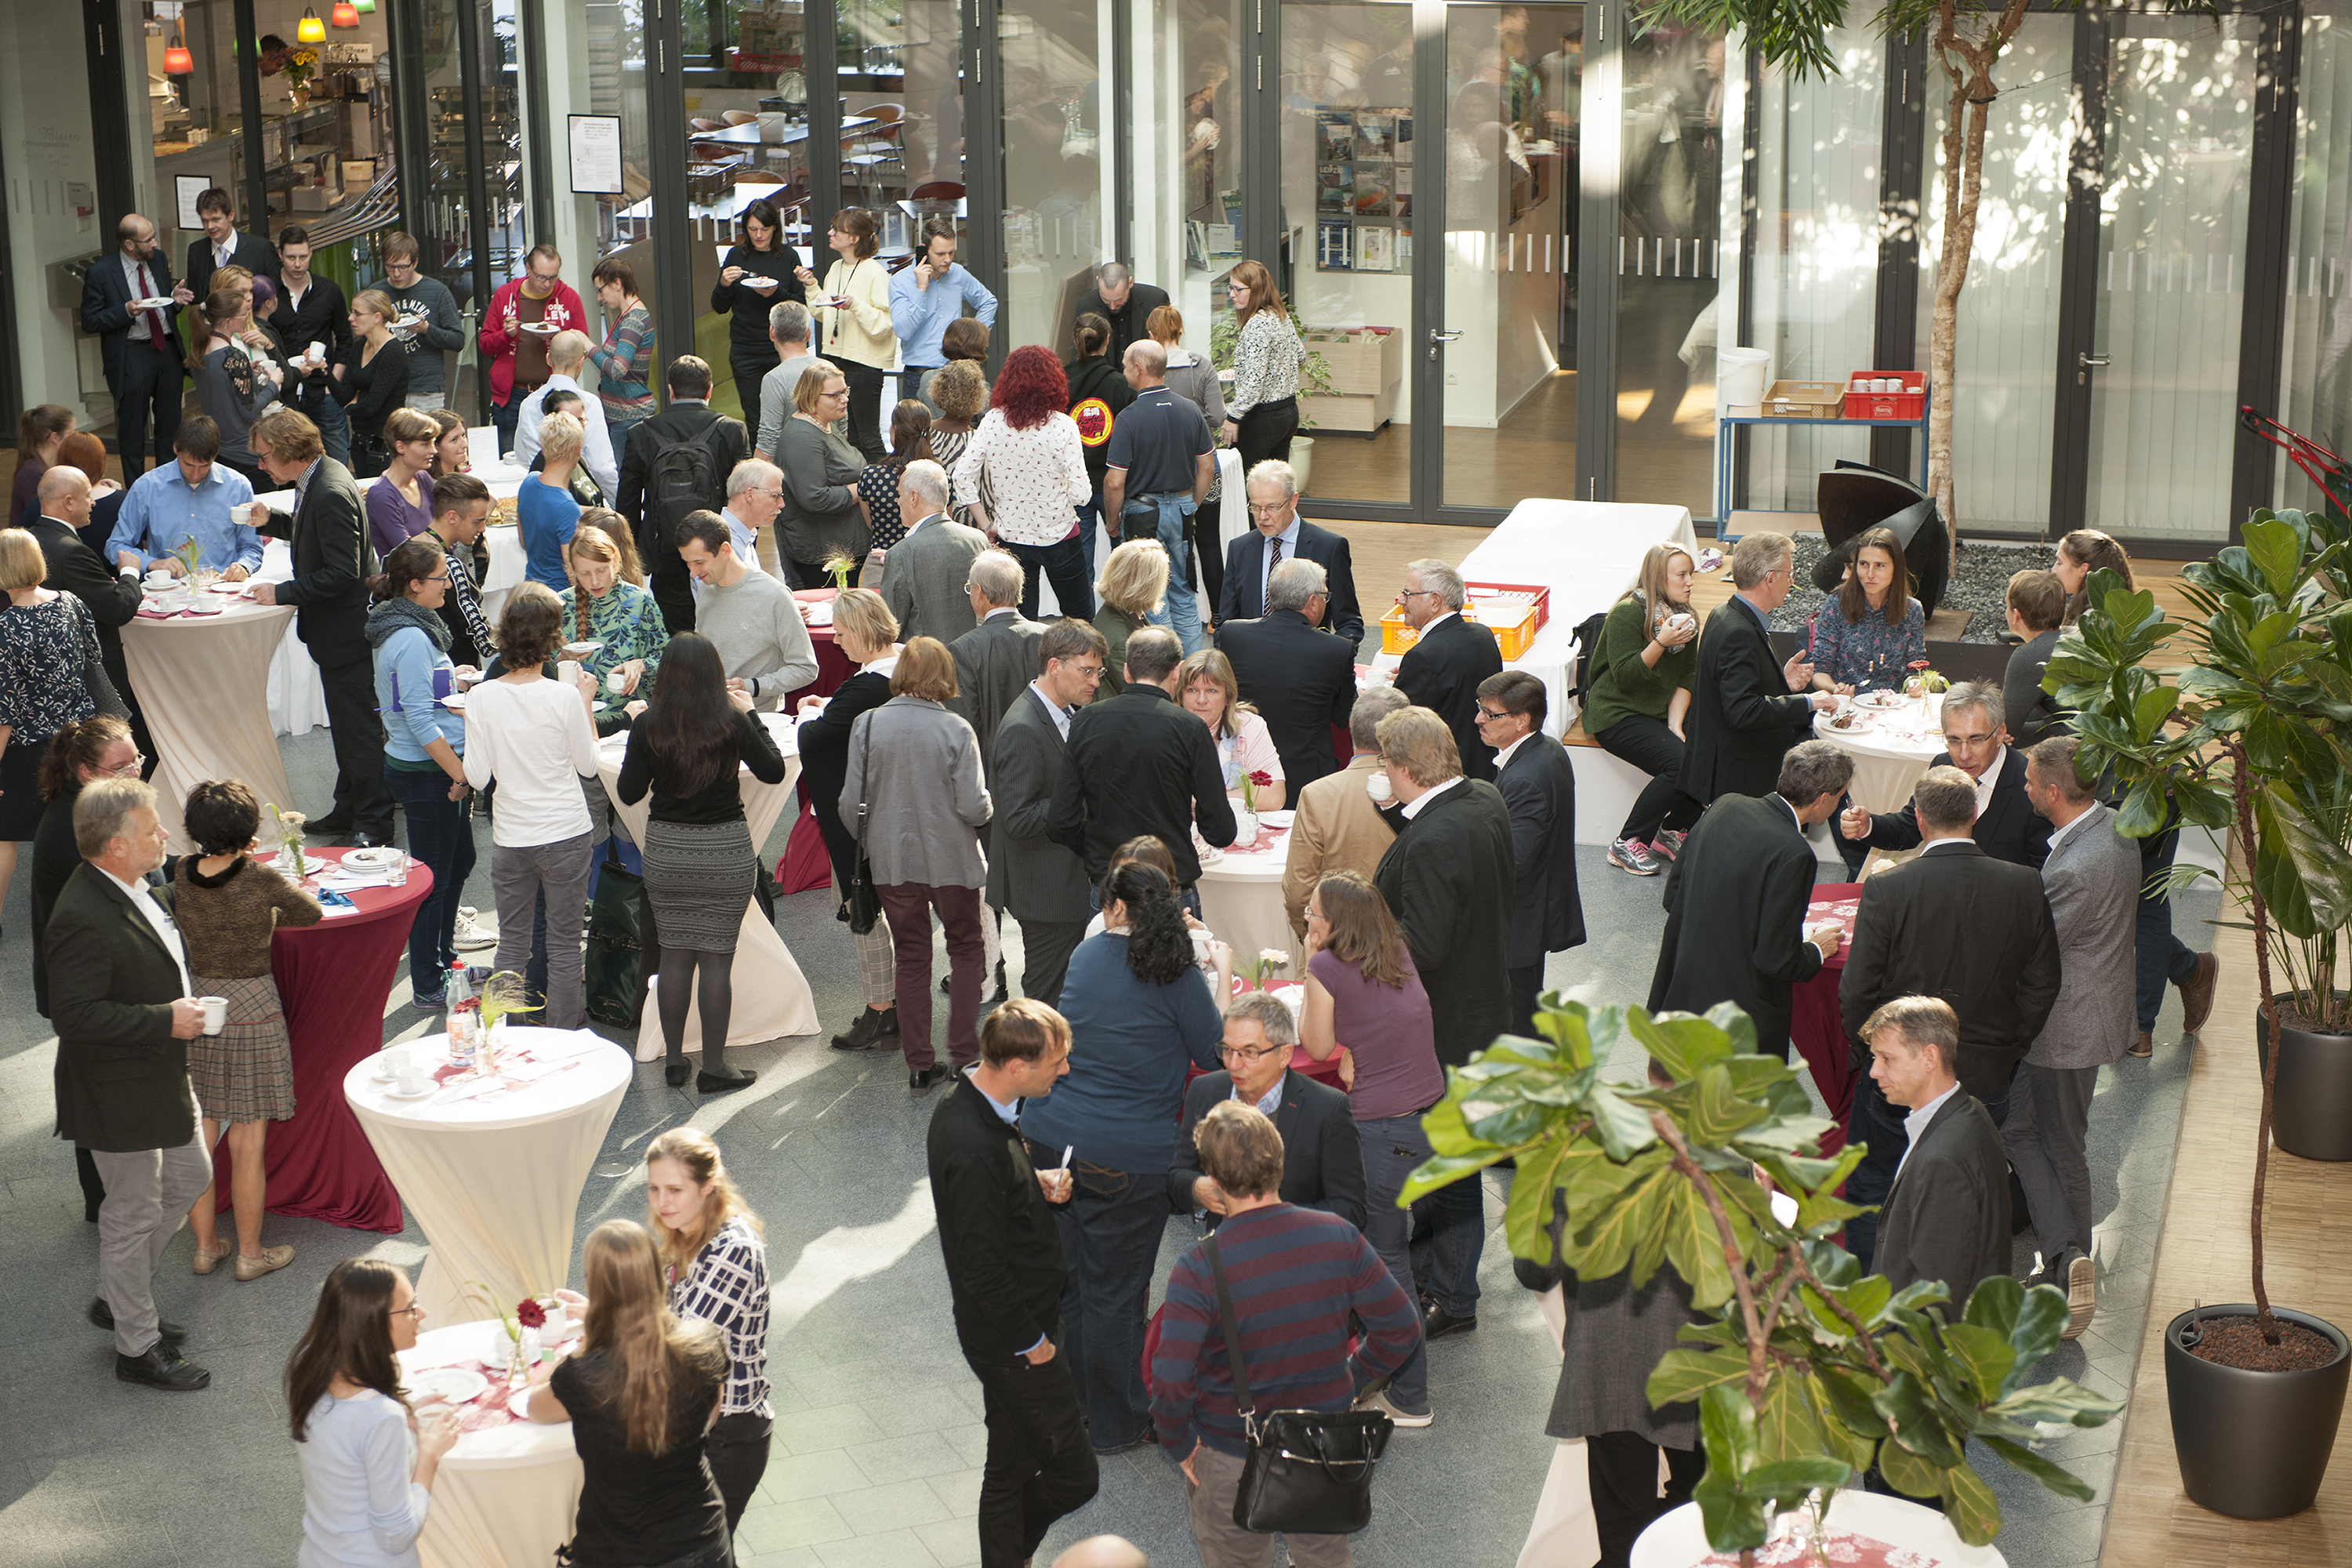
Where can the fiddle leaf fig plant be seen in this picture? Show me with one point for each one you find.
(1806, 1372)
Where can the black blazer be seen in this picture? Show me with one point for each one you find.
(679, 421)
(122, 1078)
(1139, 763)
(1301, 681)
(1538, 785)
(252, 253)
(1736, 901)
(332, 560)
(1743, 717)
(1448, 879)
(2032, 714)
(106, 296)
(997, 1233)
(1322, 1157)
(2007, 829)
(1242, 595)
(1127, 325)
(1442, 672)
(1028, 873)
(1961, 924)
(1948, 1216)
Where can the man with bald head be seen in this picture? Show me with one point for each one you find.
(1103, 1551)
(567, 356)
(1158, 469)
(63, 504)
(139, 347)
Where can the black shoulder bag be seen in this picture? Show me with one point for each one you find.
(1308, 1472)
(861, 906)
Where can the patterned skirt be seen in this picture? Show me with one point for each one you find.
(700, 877)
(245, 1073)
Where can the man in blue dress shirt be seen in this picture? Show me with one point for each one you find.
(193, 497)
(928, 296)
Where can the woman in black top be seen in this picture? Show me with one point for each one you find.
(867, 635)
(640, 1395)
(761, 253)
(371, 380)
(700, 863)
(1099, 395)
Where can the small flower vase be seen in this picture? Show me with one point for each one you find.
(289, 863)
(1245, 828)
(523, 1355)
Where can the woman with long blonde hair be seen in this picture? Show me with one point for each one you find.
(715, 1264)
(1637, 689)
(609, 603)
(640, 1395)
(1208, 689)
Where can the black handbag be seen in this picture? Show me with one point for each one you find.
(620, 934)
(861, 905)
(1308, 1472)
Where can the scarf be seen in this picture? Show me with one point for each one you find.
(399, 614)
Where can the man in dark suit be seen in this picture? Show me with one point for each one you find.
(1140, 763)
(996, 661)
(1948, 1216)
(1449, 880)
(1278, 534)
(333, 562)
(1126, 304)
(1301, 680)
(140, 349)
(1006, 1275)
(124, 1010)
(925, 577)
(1976, 742)
(1736, 899)
(1538, 786)
(1042, 884)
(1746, 712)
(1956, 923)
(653, 496)
(113, 598)
(1322, 1158)
(1449, 658)
(224, 245)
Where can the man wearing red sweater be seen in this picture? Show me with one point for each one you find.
(524, 314)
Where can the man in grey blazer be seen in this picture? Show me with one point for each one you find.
(1041, 883)
(926, 575)
(2092, 878)
(996, 661)
(1946, 1215)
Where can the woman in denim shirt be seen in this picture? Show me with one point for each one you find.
(423, 750)
(1869, 636)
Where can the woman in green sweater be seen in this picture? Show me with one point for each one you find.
(1639, 691)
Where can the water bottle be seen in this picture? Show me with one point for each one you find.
(464, 1016)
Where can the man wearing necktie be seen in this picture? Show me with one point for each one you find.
(223, 244)
(139, 348)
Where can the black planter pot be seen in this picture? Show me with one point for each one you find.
(2253, 1445)
(2311, 1111)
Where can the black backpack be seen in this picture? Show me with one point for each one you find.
(1588, 643)
(685, 477)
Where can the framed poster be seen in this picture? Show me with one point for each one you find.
(186, 189)
(595, 154)
(1333, 247)
(1375, 248)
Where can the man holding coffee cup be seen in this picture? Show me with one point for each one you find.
(120, 999)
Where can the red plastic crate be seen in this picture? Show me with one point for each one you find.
(1909, 403)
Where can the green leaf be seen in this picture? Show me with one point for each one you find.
(2059, 1399)
(1995, 1303)
(1535, 1191)
(1910, 1406)
(1605, 1244)
(1987, 1356)
(2322, 868)
(1623, 1127)
(1969, 1503)
(1684, 1374)
(1786, 1481)
(1733, 1522)
(1717, 1111)
(2270, 545)
(1907, 1473)
(2044, 1470)
(1693, 1245)
(1727, 1424)
(1727, 1016)
(2041, 1319)
(2151, 709)
(1788, 1428)
(1683, 1043)
(1443, 1171)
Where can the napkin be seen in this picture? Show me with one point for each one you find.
(1843, 1547)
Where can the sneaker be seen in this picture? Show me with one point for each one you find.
(469, 936)
(1378, 1400)
(432, 1003)
(1667, 843)
(1627, 856)
(2082, 1296)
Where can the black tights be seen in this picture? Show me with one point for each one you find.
(715, 990)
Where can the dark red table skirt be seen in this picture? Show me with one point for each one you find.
(804, 866)
(1818, 1030)
(332, 980)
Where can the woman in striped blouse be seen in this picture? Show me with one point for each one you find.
(715, 1264)
(1262, 413)
(624, 364)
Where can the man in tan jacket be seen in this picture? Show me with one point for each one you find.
(1338, 825)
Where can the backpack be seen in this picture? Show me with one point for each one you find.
(685, 477)
(1587, 643)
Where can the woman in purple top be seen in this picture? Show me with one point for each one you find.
(400, 502)
(1361, 988)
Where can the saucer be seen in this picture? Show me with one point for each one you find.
(396, 1093)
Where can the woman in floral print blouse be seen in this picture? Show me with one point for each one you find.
(608, 604)
(1867, 638)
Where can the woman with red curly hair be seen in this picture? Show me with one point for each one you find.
(1028, 467)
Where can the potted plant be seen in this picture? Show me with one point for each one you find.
(1806, 1372)
(2252, 740)
(1314, 381)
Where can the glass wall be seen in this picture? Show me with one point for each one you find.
(2315, 390)
(1184, 222)
(1058, 163)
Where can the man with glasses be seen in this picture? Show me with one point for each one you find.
(1449, 657)
(139, 348)
(1278, 534)
(1322, 1157)
(524, 314)
(1538, 785)
(1746, 709)
(755, 494)
(430, 326)
(1976, 741)
(1040, 883)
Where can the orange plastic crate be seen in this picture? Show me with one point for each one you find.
(1515, 625)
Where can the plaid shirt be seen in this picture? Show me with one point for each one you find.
(728, 1286)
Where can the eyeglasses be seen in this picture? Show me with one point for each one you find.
(129, 770)
(413, 1309)
(443, 578)
(844, 392)
(1235, 1054)
(1495, 714)
(1276, 510)
(777, 496)
(1970, 740)
(1404, 593)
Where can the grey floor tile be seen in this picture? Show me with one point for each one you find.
(808, 1522)
(905, 1459)
(792, 1476)
(902, 1503)
(952, 1543)
(886, 1548)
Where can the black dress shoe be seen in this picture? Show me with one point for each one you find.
(102, 1316)
(163, 1367)
(1437, 1322)
(714, 1083)
(921, 1081)
(675, 1073)
(334, 825)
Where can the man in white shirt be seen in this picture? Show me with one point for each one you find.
(755, 494)
(567, 355)
(1947, 1217)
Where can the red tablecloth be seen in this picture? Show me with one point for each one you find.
(805, 866)
(1815, 1027)
(333, 979)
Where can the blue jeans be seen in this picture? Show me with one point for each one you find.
(2159, 955)
(1065, 561)
(1181, 613)
(505, 417)
(441, 838)
(1110, 1235)
(1871, 1120)
(1393, 1146)
(1449, 1234)
(334, 429)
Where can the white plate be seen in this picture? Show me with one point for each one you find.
(1880, 700)
(1861, 721)
(369, 856)
(582, 649)
(430, 1088)
(518, 1403)
(1276, 818)
(1210, 856)
(455, 1384)
(455, 702)
(756, 282)
(543, 329)
(158, 302)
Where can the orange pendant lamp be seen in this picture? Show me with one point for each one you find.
(309, 29)
(345, 13)
(177, 61)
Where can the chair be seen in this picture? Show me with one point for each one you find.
(944, 193)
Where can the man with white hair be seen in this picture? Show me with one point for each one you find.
(1746, 709)
(755, 494)
(926, 576)
(1156, 470)
(567, 355)
(1301, 679)
(1279, 535)
(789, 330)
(1449, 658)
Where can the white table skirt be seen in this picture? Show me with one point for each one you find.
(1890, 756)
(1678, 1538)
(1241, 903)
(195, 680)
(506, 1497)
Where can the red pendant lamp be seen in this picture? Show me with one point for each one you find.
(177, 61)
(345, 13)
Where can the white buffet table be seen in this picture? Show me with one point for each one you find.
(506, 1496)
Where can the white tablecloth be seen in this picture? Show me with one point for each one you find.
(495, 1181)
(1587, 553)
(1241, 903)
(1679, 1540)
(772, 997)
(196, 680)
(1888, 758)
(505, 1496)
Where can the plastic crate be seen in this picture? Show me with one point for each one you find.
(1909, 403)
(1513, 625)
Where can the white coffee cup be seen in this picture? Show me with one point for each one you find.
(158, 580)
(396, 1059)
(568, 671)
(216, 1013)
(411, 1081)
(616, 682)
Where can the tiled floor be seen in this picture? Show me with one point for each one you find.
(878, 1435)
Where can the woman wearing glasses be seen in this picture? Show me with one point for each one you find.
(368, 1461)
(820, 520)
(424, 751)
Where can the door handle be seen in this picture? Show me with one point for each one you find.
(1438, 335)
(2091, 362)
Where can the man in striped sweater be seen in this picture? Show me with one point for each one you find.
(1295, 1275)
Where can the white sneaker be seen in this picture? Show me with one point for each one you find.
(2082, 1296)
(470, 937)
(1378, 1400)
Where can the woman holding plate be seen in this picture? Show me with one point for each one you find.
(760, 271)
(854, 309)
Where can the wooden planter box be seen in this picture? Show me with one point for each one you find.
(1367, 370)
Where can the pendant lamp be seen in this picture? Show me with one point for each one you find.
(345, 13)
(309, 29)
(177, 61)
(367, 7)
